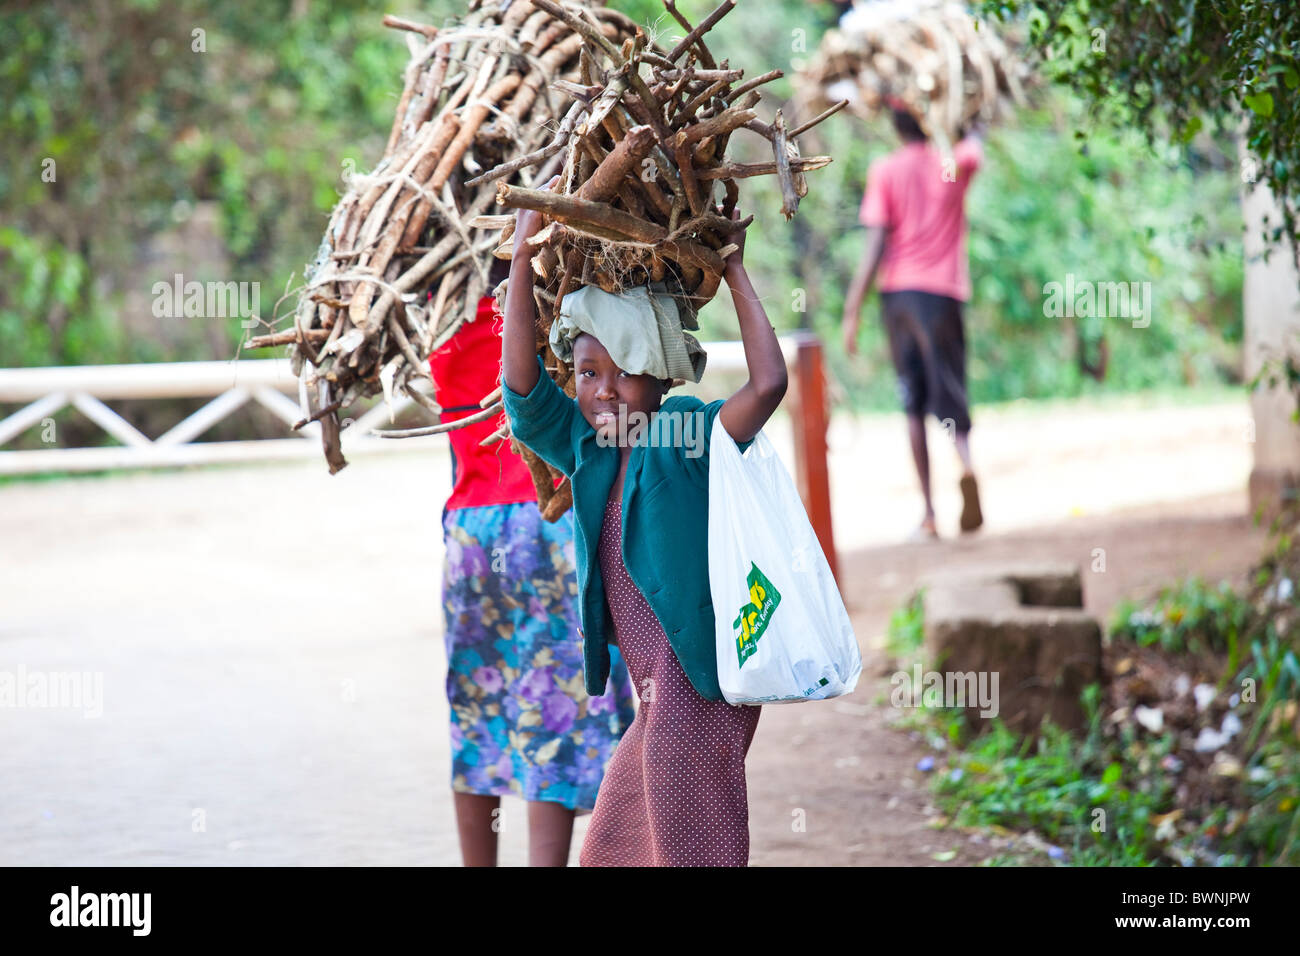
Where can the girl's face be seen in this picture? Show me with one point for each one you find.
(607, 395)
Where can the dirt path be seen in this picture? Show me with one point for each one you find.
(864, 801)
(270, 643)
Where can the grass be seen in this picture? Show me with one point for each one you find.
(1106, 796)
(906, 631)
(1190, 617)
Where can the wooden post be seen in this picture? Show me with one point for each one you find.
(810, 424)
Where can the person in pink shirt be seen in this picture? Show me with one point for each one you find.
(914, 211)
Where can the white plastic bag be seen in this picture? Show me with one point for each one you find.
(783, 634)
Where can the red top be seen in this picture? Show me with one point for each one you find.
(465, 369)
(920, 199)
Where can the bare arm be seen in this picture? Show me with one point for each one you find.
(519, 338)
(541, 416)
(747, 411)
(861, 285)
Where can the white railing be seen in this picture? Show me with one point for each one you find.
(268, 382)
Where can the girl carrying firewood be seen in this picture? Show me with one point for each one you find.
(674, 793)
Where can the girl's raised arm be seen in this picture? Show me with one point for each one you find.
(746, 412)
(519, 337)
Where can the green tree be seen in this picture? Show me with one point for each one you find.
(1171, 68)
(140, 109)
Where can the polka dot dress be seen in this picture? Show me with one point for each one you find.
(674, 793)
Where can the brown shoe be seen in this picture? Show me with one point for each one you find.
(971, 516)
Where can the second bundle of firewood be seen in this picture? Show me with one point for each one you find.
(944, 65)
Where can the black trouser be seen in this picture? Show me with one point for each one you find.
(927, 341)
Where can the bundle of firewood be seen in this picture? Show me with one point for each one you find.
(644, 149)
(946, 66)
(644, 152)
(492, 107)
(402, 266)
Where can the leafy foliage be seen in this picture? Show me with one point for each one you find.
(289, 96)
(1170, 68)
(144, 110)
(1045, 204)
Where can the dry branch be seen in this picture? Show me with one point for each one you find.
(401, 266)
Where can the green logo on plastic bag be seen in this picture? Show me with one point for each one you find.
(753, 618)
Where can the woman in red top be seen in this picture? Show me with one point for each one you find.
(521, 720)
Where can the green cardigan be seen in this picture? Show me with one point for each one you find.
(665, 519)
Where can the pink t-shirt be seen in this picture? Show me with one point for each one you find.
(922, 204)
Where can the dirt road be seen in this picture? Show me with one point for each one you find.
(269, 641)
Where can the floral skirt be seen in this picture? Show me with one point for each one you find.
(522, 723)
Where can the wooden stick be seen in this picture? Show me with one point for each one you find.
(394, 227)
(572, 265)
(717, 125)
(622, 161)
(557, 144)
(560, 502)
(528, 32)
(825, 114)
(707, 76)
(469, 126)
(789, 197)
(676, 88)
(634, 78)
(422, 399)
(694, 35)
(329, 434)
(686, 169)
(713, 222)
(745, 170)
(439, 429)
(399, 117)
(695, 102)
(404, 344)
(397, 23)
(566, 208)
(287, 337)
(592, 33)
(496, 436)
(756, 81)
(540, 474)
(333, 406)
